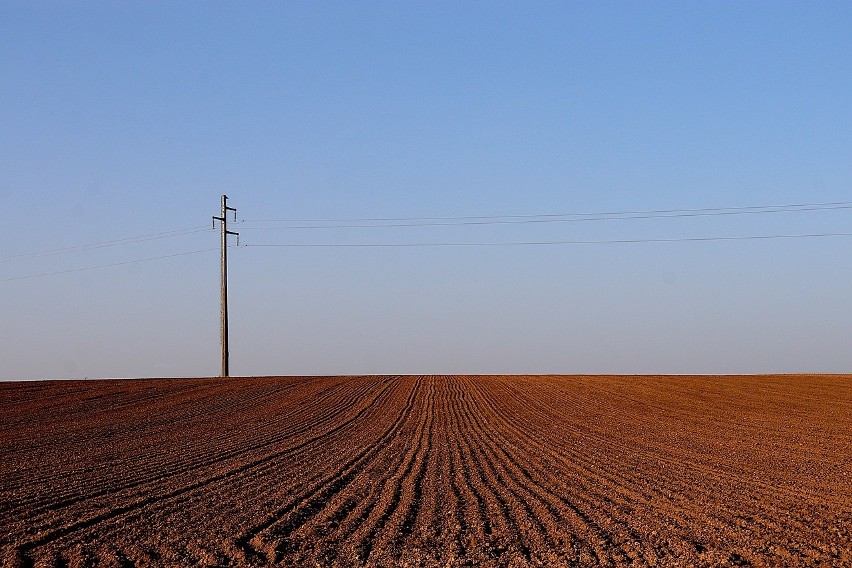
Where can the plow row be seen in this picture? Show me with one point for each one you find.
(427, 471)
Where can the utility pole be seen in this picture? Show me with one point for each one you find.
(225, 232)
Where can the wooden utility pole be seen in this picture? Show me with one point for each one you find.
(225, 232)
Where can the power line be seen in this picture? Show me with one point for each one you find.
(542, 243)
(450, 221)
(136, 261)
(545, 217)
(105, 244)
(444, 244)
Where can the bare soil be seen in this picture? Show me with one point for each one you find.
(428, 471)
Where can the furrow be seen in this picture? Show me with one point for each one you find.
(148, 501)
(249, 541)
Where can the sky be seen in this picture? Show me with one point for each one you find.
(122, 120)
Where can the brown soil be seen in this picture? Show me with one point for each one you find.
(428, 471)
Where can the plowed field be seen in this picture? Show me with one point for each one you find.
(428, 471)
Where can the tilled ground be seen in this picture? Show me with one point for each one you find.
(428, 471)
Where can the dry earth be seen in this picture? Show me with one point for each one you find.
(428, 471)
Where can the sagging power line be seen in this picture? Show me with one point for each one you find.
(440, 222)
(378, 222)
(106, 244)
(446, 221)
(122, 263)
(542, 243)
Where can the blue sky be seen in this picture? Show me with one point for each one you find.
(127, 119)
